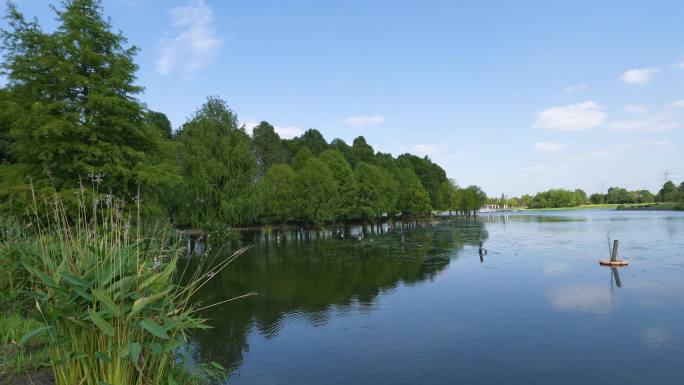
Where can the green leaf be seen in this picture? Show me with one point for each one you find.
(101, 323)
(83, 293)
(34, 333)
(47, 280)
(154, 329)
(106, 302)
(75, 281)
(164, 275)
(103, 357)
(216, 365)
(134, 350)
(171, 380)
(140, 303)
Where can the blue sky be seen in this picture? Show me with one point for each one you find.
(516, 97)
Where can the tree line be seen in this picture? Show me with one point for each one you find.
(557, 198)
(70, 116)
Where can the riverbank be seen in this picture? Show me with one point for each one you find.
(628, 207)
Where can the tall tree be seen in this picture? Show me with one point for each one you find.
(316, 191)
(413, 199)
(160, 122)
(302, 156)
(268, 147)
(218, 169)
(74, 111)
(361, 151)
(345, 200)
(314, 140)
(372, 199)
(668, 193)
(279, 194)
(431, 175)
(5, 121)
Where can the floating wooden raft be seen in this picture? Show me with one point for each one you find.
(613, 261)
(617, 262)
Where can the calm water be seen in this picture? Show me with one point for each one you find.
(420, 307)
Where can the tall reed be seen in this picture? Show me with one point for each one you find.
(109, 295)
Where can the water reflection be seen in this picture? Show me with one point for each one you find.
(306, 277)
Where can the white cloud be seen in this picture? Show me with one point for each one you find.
(193, 44)
(288, 132)
(635, 108)
(363, 121)
(576, 87)
(610, 152)
(580, 116)
(639, 75)
(427, 149)
(549, 147)
(285, 132)
(660, 122)
(657, 144)
(680, 65)
(581, 298)
(676, 105)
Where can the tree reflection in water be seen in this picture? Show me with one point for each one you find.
(312, 275)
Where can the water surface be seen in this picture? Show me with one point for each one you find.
(420, 306)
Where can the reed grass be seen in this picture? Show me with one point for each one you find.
(109, 297)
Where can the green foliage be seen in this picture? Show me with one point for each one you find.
(279, 194)
(300, 159)
(555, 198)
(268, 148)
(218, 168)
(373, 185)
(73, 109)
(345, 199)
(413, 199)
(431, 175)
(160, 122)
(316, 189)
(110, 309)
(69, 116)
(360, 152)
(668, 193)
(471, 199)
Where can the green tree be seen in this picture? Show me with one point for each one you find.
(413, 199)
(345, 200)
(300, 159)
(643, 196)
(279, 194)
(668, 193)
(361, 151)
(268, 147)
(160, 122)
(371, 198)
(316, 191)
(449, 195)
(5, 120)
(681, 191)
(431, 175)
(218, 169)
(472, 198)
(74, 111)
(314, 140)
(597, 198)
(618, 195)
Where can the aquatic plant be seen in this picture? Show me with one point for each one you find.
(109, 296)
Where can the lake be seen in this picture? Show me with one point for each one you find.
(419, 305)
